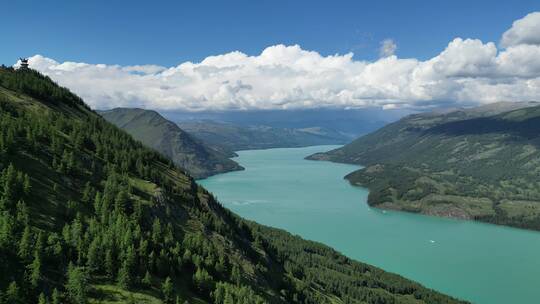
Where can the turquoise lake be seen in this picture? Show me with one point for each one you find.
(482, 263)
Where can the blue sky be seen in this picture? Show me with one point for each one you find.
(280, 55)
(171, 32)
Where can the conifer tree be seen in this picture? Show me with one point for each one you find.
(25, 244)
(120, 201)
(97, 203)
(35, 270)
(156, 231)
(202, 279)
(109, 263)
(168, 290)
(23, 214)
(56, 298)
(92, 258)
(42, 299)
(13, 294)
(235, 275)
(87, 193)
(124, 276)
(8, 187)
(77, 284)
(26, 185)
(7, 227)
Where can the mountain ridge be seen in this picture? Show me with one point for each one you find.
(469, 164)
(228, 136)
(148, 126)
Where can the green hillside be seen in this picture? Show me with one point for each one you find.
(164, 136)
(232, 137)
(480, 163)
(89, 215)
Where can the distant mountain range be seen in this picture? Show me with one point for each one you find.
(349, 122)
(481, 163)
(199, 159)
(232, 137)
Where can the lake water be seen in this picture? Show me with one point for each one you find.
(478, 262)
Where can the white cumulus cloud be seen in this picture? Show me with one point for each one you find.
(466, 71)
(388, 48)
(523, 31)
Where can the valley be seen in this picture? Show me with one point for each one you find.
(482, 263)
(270, 152)
(91, 215)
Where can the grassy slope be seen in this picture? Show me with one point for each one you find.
(272, 264)
(234, 138)
(167, 138)
(475, 164)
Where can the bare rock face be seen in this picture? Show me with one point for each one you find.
(447, 210)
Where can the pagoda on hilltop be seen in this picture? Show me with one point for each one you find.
(24, 63)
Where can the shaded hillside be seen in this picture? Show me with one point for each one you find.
(478, 164)
(90, 215)
(167, 138)
(231, 137)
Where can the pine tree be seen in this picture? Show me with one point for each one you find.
(219, 293)
(26, 185)
(168, 290)
(25, 243)
(87, 193)
(35, 270)
(23, 215)
(147, 279)
(235, 275)
(56, 298)
(156, 231)
(54, 246)
(124, 276)
(97, 203)
(151, 261)
(109, 263)
(92, 258)
(137, 211)
(77, 284)
(120, 201)
(7, 227)
(143, 248)
(229, 299)
(13, 293)
(9, 187)
(42, 299)
(221, 265)
(202, 280)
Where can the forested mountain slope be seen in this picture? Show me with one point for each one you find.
(89, 215)
(232, 137)
(199, 159)
(480, 163)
